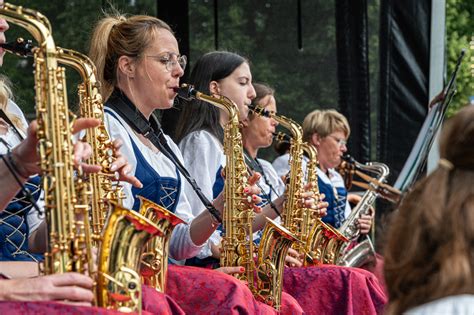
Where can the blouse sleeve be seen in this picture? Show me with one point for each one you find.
(203, 158)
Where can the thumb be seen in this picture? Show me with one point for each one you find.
(254, 179)
(231, 270)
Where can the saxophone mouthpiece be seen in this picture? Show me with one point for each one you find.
(19, 47)
(281, 137)
(348, 158)
(186, 91)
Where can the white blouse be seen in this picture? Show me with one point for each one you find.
(181, 244)
(203, 156)
(456, 304)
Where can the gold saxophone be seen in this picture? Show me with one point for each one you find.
(297, 218)
(125, 234)
(103, 154)
(154, 268)
(237, 243)
(154, 258)
(67, 197)
(66, 216)
(317, 233)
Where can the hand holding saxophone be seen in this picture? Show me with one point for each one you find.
(364, 223)
(252, 192)
(26, 155)
(122, 167)
(73, 288)
(311, 201)
(293, 258)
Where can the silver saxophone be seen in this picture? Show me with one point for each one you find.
(364, 252)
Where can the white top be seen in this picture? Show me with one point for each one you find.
(273, 179)
(278, 189)
(203, 156)
(281, 164)
(11, 140)
(181, 245)
(282, 167)
(456, 304)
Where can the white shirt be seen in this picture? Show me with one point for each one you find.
(181, 244)
(456, 304)
(203, 156)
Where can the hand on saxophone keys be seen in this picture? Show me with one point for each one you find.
(364, 223)
(311, 201)
(26, 154)
(252, 192)
(122, 167)
(293, 259)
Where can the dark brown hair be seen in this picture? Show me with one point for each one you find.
(430, 248)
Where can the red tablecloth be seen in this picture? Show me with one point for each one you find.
(205, 291)
(335, 290)
(52, 308)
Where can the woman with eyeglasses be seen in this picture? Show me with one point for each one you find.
(328, 131)
(140, 66)
(315, 288)
(200, 133)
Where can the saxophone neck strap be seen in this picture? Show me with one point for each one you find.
(151, 130)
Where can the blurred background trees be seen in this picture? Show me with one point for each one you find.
(302, 69)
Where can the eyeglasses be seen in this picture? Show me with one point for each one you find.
(171, 60)
(340, 142)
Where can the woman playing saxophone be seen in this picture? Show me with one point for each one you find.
(139, 66)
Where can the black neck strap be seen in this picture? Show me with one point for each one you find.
(153, 132)
(254, 165)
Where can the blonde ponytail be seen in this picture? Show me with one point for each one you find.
(5, 95)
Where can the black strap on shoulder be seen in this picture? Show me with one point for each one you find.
(153, 132)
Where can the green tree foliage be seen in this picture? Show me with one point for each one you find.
(305, 78)
(72, 22)
(460, 30)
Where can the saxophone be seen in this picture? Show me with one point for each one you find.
(66, 212)
(237, 243)
(364, 251)
(319, 233)
(67, 197)
(125, 234)
(297, 218)
(154, 259)
(91, 106)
